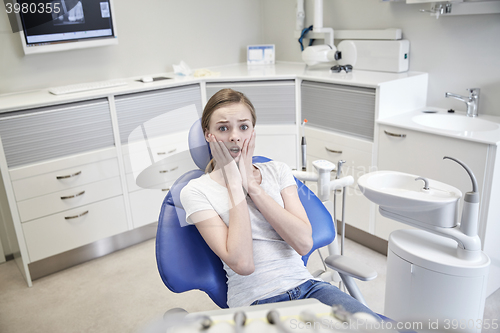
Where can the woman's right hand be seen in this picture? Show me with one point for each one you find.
(225, 162)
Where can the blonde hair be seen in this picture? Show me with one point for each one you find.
(221, 99)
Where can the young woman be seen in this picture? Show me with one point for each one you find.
(251, 216)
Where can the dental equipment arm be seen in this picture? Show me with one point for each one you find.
(347, 267)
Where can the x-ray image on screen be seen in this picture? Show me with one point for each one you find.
(71, 12)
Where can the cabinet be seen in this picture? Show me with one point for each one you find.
(357, 154)
(154, 127)
(61, 178)
(340, 127)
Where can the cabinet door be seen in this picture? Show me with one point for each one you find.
(145, 206)
(274, 101)
(67, 230)
(357, 154)
(158, 112)
(422, 154)
(343, 109)
(55, 131)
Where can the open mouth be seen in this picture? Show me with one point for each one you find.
(235, 150)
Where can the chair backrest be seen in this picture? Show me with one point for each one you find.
(185, 262)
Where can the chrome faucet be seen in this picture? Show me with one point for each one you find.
(472, 101)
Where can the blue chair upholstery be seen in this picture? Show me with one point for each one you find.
(185, 262)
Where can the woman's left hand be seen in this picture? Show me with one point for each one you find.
(245, 164)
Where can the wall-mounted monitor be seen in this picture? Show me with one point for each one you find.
(58, 25)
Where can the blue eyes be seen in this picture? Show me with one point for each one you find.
(242, 127)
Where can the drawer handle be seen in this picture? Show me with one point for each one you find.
(76, 216)
(72, 196)
(165, 189)
(333, 151)
(396, 135)
(173, 169)
(69, 176)
(168, 152)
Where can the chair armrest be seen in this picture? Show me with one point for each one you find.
(351, 267)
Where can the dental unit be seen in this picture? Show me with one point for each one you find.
(440, 271)
(345, 269)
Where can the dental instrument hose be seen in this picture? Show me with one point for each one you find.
(337, 176)
(304, 148)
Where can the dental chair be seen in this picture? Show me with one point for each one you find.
(185, 262)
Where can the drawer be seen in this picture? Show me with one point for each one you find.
(139, 155)
(54, 234)
(66, 162)
(145, 206)
(64, 179)
(160, 177)
(334, 147)
(68, 199)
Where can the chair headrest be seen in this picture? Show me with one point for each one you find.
(198, 146)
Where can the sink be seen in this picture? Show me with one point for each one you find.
(399, 193)
(454, 122)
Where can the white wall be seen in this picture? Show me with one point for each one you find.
(458, 52)
(152, 34)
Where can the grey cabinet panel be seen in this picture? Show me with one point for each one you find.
(134, 110)
(40, 134)
(274, 101)
(340, 108)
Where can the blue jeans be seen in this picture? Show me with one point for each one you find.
(322, 291)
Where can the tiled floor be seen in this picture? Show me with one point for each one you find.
(123, 292)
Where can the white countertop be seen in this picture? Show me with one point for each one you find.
(405, 121)
(236, 72)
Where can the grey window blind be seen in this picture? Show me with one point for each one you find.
(344, 109)
(45, 133)
(274, 101)
(134, 110)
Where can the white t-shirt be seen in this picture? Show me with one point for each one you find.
(278, 267)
